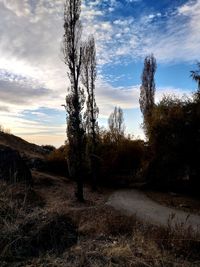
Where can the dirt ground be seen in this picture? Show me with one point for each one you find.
(57, 189)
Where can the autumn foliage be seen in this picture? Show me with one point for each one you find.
(174, 144)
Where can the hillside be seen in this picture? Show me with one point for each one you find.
(25, 148)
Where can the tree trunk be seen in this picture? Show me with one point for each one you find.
(79, 192)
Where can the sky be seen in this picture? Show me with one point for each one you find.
(33, 77)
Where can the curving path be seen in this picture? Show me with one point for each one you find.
(134, 202)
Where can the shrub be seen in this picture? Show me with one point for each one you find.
(57, 161)
(4, 130)
(119, 162)
(174, 144)
(48, 148)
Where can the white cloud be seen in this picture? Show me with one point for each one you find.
(31, 34)
(132, 1)
(19, 7)
(171, 36)
(128, 98)
(181, 38)
(19, 93)
(175, 39)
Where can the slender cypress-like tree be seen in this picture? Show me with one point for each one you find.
(195, 74)
(73, 51)
(89, 74)
(147, 90)
(116, 125)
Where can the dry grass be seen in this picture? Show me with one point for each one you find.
(179, 201)
(27, 233)
(102, 220)
(105, 237)
(11, 212)
(128, 242)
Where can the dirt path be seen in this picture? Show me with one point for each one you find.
(135, 202)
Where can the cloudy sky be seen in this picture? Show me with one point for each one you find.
(33, 77)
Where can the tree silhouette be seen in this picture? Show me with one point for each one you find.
(88, 79)
(73, 51)
(147, 89)
(195, 74)
(116, 125)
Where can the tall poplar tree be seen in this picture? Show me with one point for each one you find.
(116, 125)
(89, 74)
(147, 90)
(73, 52)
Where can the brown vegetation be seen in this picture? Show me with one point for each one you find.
(178, 201)
(105, 237)
(174, 145)
(25, 148)
(56, 161)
